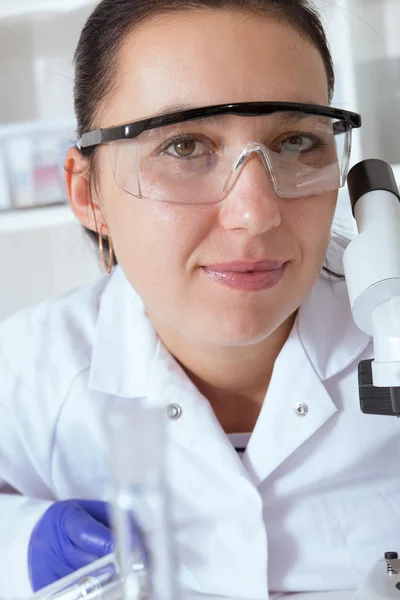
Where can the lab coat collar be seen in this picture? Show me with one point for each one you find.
(296, 406)
(125, 341)
(323, 342)
(330, 338)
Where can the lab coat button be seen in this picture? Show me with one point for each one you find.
(301, 409)
(174, 412)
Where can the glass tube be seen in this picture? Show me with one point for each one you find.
(138, 450)
(99, 580)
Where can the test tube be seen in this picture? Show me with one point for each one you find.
(99, 580)
(140, 498)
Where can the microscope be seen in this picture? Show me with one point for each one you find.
(372, 269)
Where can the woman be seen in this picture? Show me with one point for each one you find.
(220, 219)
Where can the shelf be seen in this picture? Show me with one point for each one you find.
(8, 130)
(43, 217)
(18, 8)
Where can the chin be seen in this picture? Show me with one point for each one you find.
(237, 332)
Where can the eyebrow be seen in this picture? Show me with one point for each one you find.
(180, 107)
(219, 120)
(288, 117)
(172, 108)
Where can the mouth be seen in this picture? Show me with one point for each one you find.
(242, 266)
(247, 276)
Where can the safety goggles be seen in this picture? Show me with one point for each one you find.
(196, 156)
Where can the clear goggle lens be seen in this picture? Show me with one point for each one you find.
(199, 162)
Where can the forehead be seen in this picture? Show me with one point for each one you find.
(205, 58)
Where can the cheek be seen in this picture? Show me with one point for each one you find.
(310, 222)
(154, 240)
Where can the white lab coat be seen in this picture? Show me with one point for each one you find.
(313, 505)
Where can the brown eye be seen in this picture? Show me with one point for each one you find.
(298, 143)
(185, 148)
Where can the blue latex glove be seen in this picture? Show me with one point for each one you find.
(70, 535)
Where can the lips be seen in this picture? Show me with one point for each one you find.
(247, 266)
(247, 276)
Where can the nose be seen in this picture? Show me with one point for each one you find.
(252, 203)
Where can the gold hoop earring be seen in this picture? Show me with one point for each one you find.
(107, 267)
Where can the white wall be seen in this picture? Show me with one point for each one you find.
(373, 42)
(36, 71)
(43, 260)
(365, 41)
(17, 97)
(42, 253)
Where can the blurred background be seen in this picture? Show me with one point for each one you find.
(43, 251)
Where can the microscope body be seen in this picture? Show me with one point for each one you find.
(382, 582)
(372, 269)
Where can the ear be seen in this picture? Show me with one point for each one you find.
(84, 206)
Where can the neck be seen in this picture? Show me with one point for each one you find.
(234, 380)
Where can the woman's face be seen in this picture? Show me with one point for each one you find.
(200, 59)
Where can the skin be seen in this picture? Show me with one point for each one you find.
(226, 340)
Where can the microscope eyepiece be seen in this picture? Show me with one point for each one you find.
(369, 176)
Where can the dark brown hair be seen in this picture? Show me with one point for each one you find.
(99, 48)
